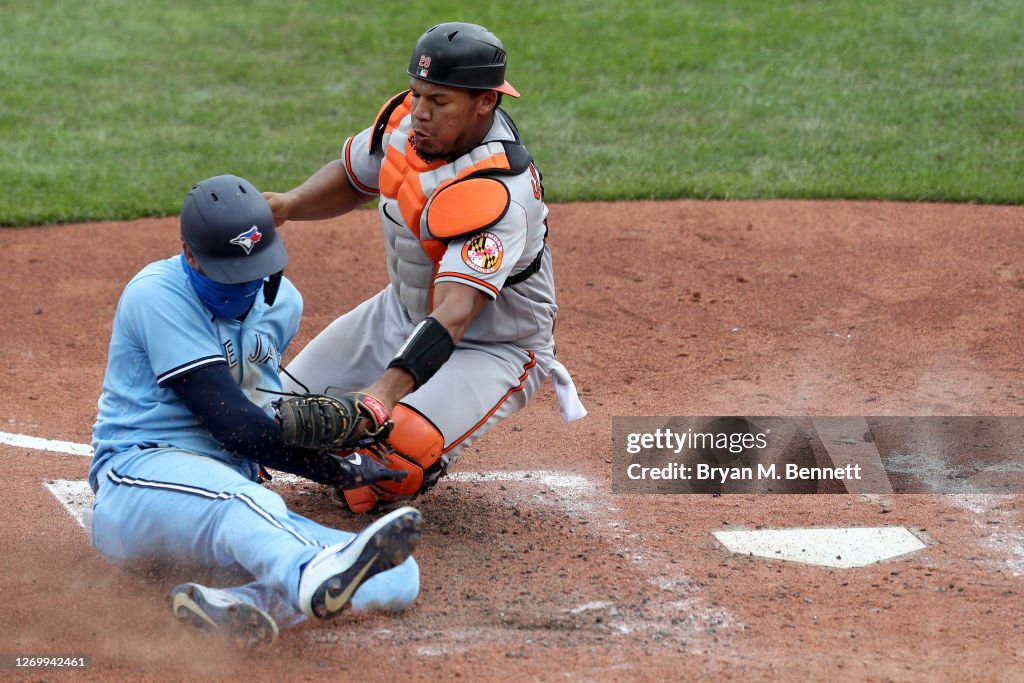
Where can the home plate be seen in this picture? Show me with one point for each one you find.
(851, 547)
(76, 497)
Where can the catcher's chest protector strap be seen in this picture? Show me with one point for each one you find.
(416, 183)
(388, 118)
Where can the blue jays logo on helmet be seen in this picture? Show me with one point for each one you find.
(222, 214)
(248, 239)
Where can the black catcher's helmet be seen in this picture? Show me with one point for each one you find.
(461, 55)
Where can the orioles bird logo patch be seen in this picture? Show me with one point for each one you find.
(482, 253)
(248, 239)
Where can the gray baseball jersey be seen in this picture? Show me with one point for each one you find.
(480, 221)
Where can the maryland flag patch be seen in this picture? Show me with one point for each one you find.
(482, 252)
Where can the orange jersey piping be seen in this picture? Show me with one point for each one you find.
(522, 378)
(462, 276)
(351, 174)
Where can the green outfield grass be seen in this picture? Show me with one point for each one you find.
(112, 109)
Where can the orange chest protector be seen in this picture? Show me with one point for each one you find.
(459, 197)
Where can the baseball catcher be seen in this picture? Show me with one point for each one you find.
(463, 335)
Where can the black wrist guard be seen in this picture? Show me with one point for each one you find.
(426, 350)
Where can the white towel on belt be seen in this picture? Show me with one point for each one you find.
(569, 404)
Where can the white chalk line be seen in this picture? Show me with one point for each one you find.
(76, 497)
(1006, 541)
(35, 443)
(575, 494)
(995, 527)
(682, 612)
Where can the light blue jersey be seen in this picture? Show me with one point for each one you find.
(161, 332)
(167, 493)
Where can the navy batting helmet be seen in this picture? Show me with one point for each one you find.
(461, 55)
(228, 227)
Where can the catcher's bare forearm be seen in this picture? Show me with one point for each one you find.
(325, 194)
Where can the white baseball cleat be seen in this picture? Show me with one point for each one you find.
(222, 614)
(331, 578)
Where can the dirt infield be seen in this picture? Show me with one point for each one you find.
(532, 569)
